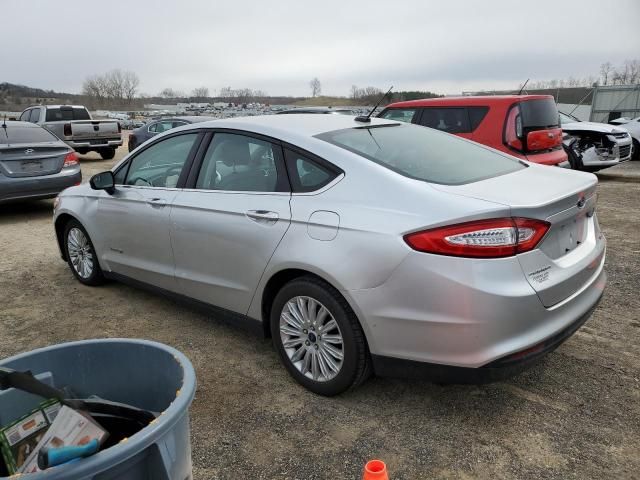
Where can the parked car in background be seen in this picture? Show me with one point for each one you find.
(525, 126)
(633, 127)
(73, 124)
(593, 146)
(34, 163)
(318, 110)
(359, 247)
(146, 131)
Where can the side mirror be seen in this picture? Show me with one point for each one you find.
(103, 181)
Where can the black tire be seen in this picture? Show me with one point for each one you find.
(95, 277)
(636, 150)
(356, 363)
(107, 153)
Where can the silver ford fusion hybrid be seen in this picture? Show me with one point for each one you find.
(360, 247)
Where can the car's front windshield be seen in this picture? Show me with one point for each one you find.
(424, 153)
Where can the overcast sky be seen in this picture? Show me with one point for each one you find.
(444, 46)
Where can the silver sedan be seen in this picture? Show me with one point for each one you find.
(360, 247)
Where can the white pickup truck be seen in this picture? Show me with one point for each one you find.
(73, 125)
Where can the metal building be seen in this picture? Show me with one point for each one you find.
(615, 101)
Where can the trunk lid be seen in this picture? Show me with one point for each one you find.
(31, 161)
(572, 252)
(92, 129)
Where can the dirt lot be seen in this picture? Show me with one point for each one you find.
(577, 415)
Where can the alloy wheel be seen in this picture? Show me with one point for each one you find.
(311, 338)
(80, 252)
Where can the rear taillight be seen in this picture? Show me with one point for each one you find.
(544, 139)
(513, 129)
(494, 238)
(70, 159)
(66, 130)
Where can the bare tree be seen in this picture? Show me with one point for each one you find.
(316, 87)
(168, 93)
(354, 92)
(605, 72)
(130, 85)
(200, 92)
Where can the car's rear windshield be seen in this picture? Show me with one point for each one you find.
(423, 153)
(539, 113)
(25, 135)
(67, 113)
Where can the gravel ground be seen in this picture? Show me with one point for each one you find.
(576, 415)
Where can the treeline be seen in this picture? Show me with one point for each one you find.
(626, 74)
(371, 95)
(114, 87)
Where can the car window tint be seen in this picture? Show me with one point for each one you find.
(400, 114)
(306, 175)
(152, 127)
(24, 116)
(423, 153)
(450, 120)
(66, 113)
(239, 163)
(120, 174)
(28, 134)
(476, 115)
(178, 124)
(35, 115)
(160, 164)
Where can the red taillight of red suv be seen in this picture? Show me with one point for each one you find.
(70, 159)
(493, 238)
(544, 139)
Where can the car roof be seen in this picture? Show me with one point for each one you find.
(292, 125)
(470, 100)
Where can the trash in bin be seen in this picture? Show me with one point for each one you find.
(149, 386)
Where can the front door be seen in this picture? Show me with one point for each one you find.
(135, 219)
(225, 230)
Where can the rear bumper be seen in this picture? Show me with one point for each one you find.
(464, 312)
(34, 188)
(497, 370)
(93, 144)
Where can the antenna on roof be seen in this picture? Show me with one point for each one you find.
(367, 118)
(4, 126)
(521, 89)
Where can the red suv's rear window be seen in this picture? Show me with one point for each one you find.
(539, 113)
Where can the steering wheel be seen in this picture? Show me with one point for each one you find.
(134, 181)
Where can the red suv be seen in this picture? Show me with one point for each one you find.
(526, 126)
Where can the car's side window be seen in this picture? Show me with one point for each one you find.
(306, 174)
(241, 163)
(120, 174)
(160, 164)
(400, 114)
(25, 116)
(35, 115)
(178, 124)
(450, 120)
(153, 127)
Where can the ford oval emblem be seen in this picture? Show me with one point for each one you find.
(29, 151)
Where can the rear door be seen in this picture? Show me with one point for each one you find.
(225, 228)
(135, 218)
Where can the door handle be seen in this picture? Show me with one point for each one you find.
(157, 202)
(262, 215)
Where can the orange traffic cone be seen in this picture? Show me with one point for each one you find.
(375, 470)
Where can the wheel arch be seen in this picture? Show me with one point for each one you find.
(59, 225)
(280, 279)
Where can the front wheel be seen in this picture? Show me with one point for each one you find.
(81, 256)
(318, 337)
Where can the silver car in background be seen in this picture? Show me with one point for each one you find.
(34, 163)
(359, 246)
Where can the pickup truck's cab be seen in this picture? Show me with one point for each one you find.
(73, 125)
(525, 126)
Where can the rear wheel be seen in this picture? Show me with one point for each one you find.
(574, 160)
(318, 337)
(636, 150)
(81, 256)
(107, 153)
